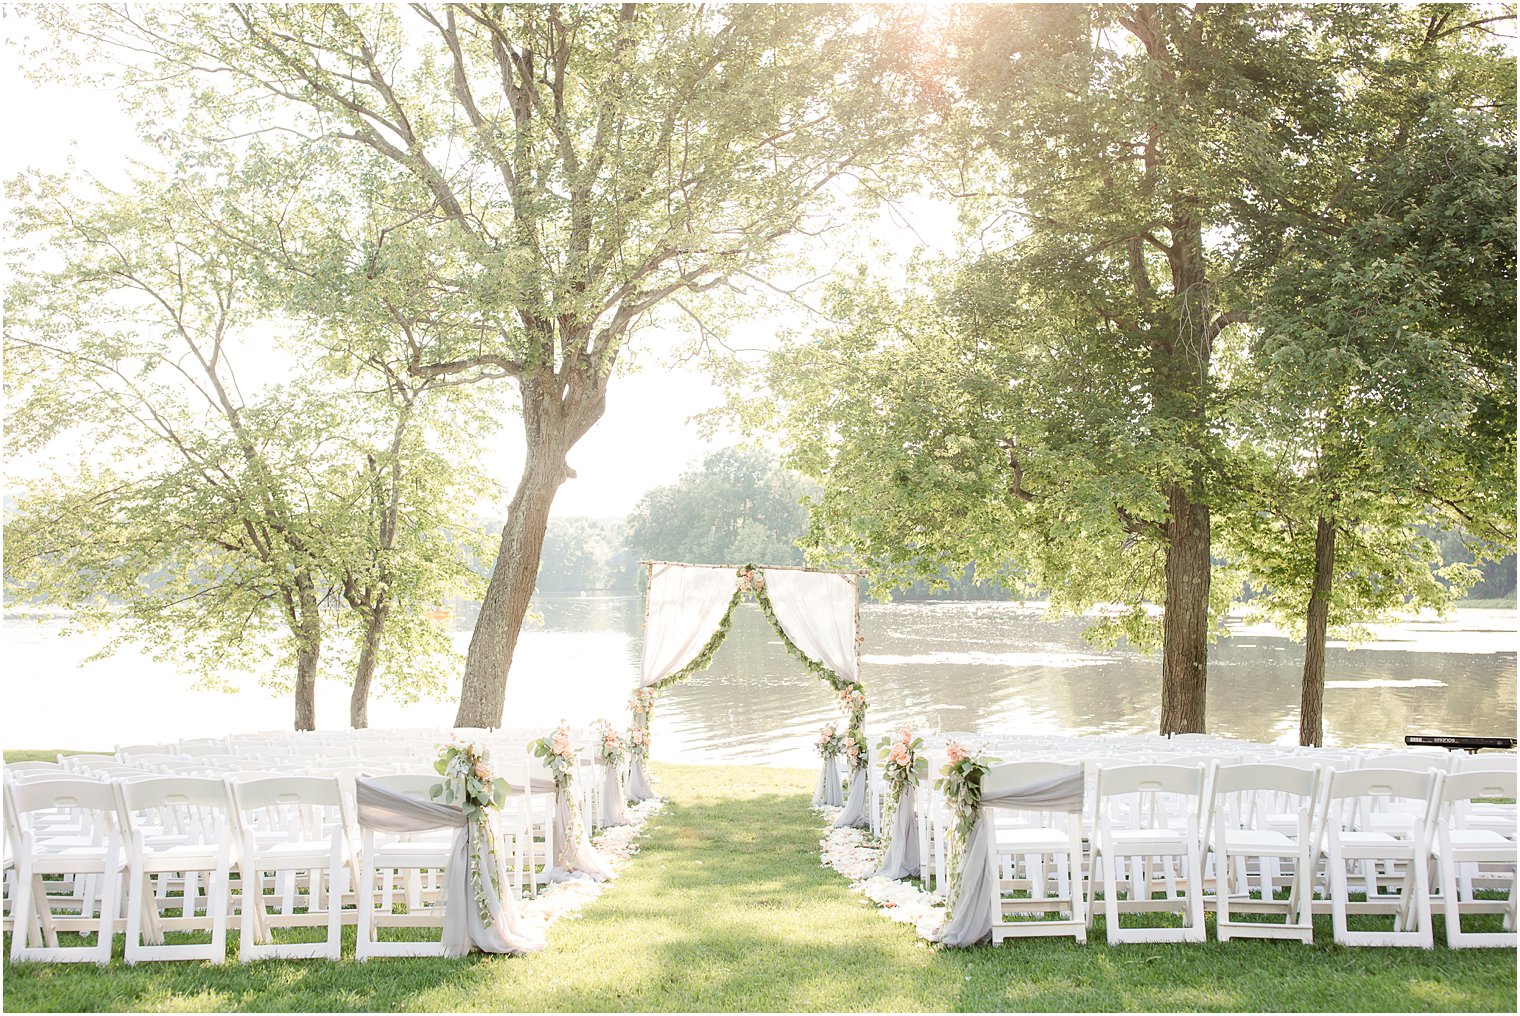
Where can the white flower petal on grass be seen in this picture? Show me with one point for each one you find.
(564, 899)
(848, 852)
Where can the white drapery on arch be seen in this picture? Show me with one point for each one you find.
(687, 604)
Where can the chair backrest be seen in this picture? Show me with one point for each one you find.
(79, 763)
(125, 752)
(1496, 762)
(1379, 783)
(1270, 777)
(63, 795)
(1009, 775)
(1241, 795)
(155, 792)
(1413, 761)
(417, 785)
(15, 768)
(299, 805)
(1467, 786)
(195, 748)
(1152, 778)
(316, 791)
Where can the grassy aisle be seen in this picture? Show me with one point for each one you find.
(727, 908)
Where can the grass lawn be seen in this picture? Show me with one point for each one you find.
(727, 908)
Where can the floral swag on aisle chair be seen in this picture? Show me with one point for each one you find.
(573, 855)
(641, 705)
(479, 913)
(813, 604)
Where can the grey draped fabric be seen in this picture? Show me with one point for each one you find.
(463, 926)
(828, 792)
(901, 858)
(973, 914)
(574, 856)
(613, 806)
(638, 782)
(854, 813)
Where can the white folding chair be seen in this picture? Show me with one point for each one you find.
(181, 829)
(91, 804)
(1243, 797)
(1383, 855)
(1045, 847)
(1155, 799)
(406, 857)
(305, 822)
(1453, 848)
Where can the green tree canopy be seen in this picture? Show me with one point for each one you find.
(736, 507)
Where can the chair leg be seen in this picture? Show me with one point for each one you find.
(23, 932)
(246, 934)
(109, 884)
(1196, 930)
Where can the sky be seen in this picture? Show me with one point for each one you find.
(646, 438)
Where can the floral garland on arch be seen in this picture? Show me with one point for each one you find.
(469, 783)
(750, 581)
(961, 782)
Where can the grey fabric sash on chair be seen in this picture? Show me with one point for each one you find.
(614, 807)
(854, 813)
(638, 782)
(574, 856)
(463, 926)
(971, 921)
(901, 858)
(828, 793)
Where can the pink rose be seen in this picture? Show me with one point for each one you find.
(956, 752)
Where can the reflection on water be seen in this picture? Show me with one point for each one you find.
(954, 666)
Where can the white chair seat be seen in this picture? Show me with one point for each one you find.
(1016, 840)
(1259, 843)
(1150, 841)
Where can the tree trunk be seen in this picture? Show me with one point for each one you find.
(308, 651)
(1311, 723)
(1185, 626)
(513, 580)
(369, 654)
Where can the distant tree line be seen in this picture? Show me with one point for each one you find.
(738, 506)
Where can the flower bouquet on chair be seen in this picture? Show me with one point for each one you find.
(573, 853)
(638, 788)
(611, 752)
(830, 744)
(903, 767)
(858, 754)
(469, 784)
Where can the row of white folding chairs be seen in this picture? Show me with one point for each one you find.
(167, 834)
(935, 817)
(1232, 816)
(317, 751)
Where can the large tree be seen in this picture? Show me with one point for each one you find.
(571, 168)
(1059, 395)
(212, 490)
(1381, 379)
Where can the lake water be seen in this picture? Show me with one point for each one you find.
(951, 666)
